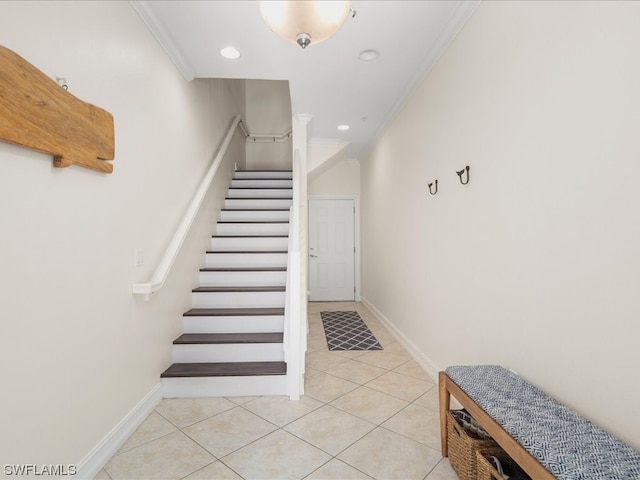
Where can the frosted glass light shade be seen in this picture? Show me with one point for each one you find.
(304, 22)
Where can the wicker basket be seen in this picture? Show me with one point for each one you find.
(486, 470)
(463, 448)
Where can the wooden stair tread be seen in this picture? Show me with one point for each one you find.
(230, 369)
(247, 251)
(257, 198)
(253, 221)
(224, 338)
(267, 288)
(255, 210)
(244, 269)
(250, 236)
(233, 312)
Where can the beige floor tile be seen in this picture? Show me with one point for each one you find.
(281, 410)
(170, 457)
(102, 475)
(326, 388)
(310, 372)
(314, 308)
(330, 429)
(397, 348)
(370, 405)
(315, 325)
(417, 423)
(413, 369)
(154, 427)
(337, 470)
(384, 359)
(316, 341)
(385, 454)
(183, 412)
(430, 399)
(400, 386)
(350, 354)
(442, 471)
(241, 400)
(356, 371)
(335, 306)
(215, 471)
(383, 336)
(371, 321)
(323, 360)
(279, 455)
(229, 431)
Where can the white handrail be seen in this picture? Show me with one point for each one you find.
(264, 137)
(268, 137)
(160, 275)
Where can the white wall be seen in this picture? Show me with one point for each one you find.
(268, 106)
(268, 111)
(534, 264)
(269, 156)
(79, 351)
(343, 178)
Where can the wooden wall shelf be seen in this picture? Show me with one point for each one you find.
(37, 113)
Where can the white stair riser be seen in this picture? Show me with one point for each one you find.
(241, 386)
(252, 228)
(237, 299)
(249, 243)
(243, 279)
(233, 324)
(261, 183)
(234, 352)
(254, 215)
(214, 260)
(263, 174)
(258, 203)
(260, 193)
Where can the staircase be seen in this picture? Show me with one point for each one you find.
(233, 335)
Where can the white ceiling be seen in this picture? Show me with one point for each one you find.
(327, 80)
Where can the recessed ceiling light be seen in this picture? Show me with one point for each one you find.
(232, 53)
(343, 127)
(368, 55)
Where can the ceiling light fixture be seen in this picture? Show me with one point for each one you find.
(343, 128)
(305, 22)
(232, 53)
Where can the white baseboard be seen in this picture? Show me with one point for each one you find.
(96, 459)
(425, 362)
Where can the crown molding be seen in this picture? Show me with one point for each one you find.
(144, 11)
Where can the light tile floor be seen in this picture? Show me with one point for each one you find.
(364, 415)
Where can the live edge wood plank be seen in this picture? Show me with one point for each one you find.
(37, 113)
(522, 457)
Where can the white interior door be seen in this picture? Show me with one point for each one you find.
(331, 249)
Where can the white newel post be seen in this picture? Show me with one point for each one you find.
(295, 335)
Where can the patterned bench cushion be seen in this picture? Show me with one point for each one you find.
(568, 445)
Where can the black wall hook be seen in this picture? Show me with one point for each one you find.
(433, 192)
(460, 175)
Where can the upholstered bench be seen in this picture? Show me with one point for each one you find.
(547, 439)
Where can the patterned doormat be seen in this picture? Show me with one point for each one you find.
(347, 331)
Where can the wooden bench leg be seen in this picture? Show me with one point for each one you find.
(445, 403)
